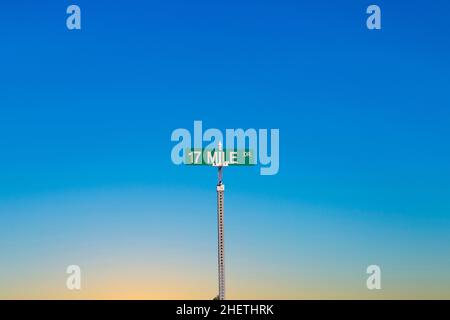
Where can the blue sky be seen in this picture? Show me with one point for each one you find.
(363, 115)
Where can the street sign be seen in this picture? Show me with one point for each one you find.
(208, 157)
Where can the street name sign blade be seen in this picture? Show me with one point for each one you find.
(207, 157)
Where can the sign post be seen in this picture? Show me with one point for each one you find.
(220, 158)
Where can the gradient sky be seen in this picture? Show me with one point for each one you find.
(86, 176)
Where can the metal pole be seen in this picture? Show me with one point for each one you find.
(220, 229)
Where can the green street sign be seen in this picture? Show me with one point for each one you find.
(208, 157)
